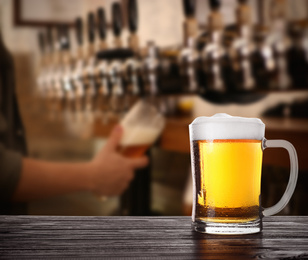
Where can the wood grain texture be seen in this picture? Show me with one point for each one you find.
(29, 237)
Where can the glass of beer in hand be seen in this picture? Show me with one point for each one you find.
(226, 157)
(142, 126)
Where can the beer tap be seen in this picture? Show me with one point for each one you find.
(89, 71)
(151, 64)
(58, 91)
(78, 71)
(102, 28)
(243, 48)
(213, 53)
(132, 66)
(67, 76)
(115, 69)
(91, 35)
(117, 88)
(103, 90)
(280, 43)
(117, 24)
(190, 24)
(133, 40)
(79, 39)
(262, 59)
(188, 55)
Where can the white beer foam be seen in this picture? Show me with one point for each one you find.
(142, 124)
(139, 135)
(223, 126)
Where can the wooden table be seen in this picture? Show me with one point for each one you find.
(145, 238)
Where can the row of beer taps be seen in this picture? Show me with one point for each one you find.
(78, 85)
(222, 63)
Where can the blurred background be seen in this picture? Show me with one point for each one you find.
(81, 64)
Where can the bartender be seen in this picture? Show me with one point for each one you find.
(24, 179)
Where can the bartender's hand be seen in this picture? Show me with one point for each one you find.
(110, 171)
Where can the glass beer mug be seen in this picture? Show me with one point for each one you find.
(226, 157)
(142, 125)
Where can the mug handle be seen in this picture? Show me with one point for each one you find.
(293, 174)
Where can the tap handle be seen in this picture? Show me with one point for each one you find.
(132, 15)
(91, 27)
(189, 7)
(79, 30)
(214, 4)
(116, 19)
(102, 25)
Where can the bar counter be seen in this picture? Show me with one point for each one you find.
(41, 237)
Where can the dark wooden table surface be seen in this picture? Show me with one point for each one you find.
(145, 238)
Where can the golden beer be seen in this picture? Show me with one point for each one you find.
(226, 159)
(229, 180)
(134, 151)
(137, 140)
